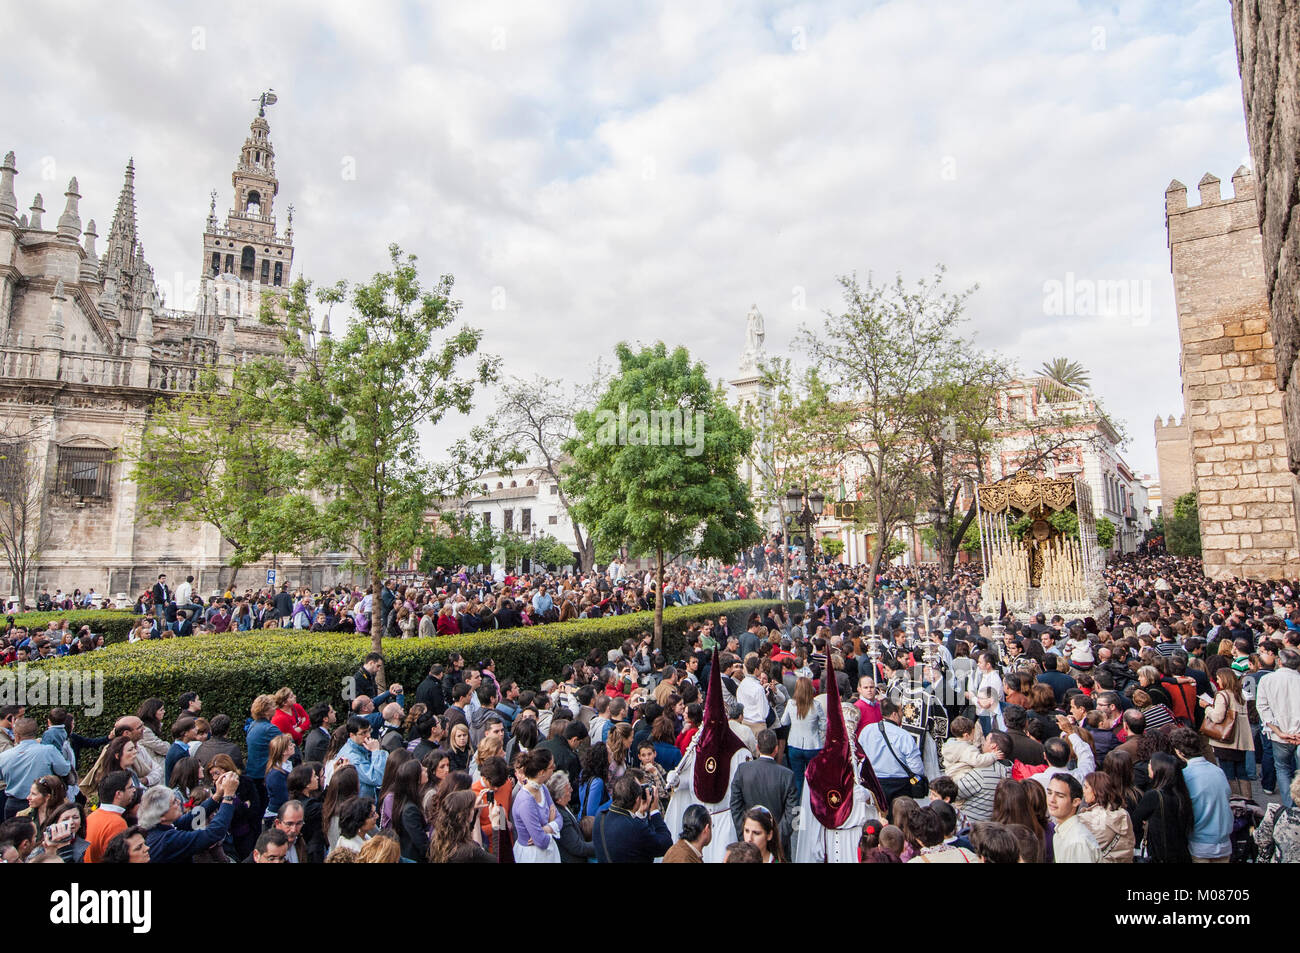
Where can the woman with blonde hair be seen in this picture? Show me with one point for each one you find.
(380, 849)
(458, 746)
(1149, 680)
(619, 744)
(1231, 737)
(489, 747)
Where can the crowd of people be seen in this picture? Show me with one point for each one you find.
(884, 724)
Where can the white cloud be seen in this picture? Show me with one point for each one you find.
(651, 175)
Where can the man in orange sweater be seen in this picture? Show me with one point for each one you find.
(116, 792)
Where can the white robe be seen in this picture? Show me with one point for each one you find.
(724, 831)
(815, 844)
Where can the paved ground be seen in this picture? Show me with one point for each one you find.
(1262, 799)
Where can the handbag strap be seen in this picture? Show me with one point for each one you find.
(885, 737)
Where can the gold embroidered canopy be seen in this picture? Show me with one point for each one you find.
(1026, 493)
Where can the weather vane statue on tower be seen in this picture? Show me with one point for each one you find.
(268, 98)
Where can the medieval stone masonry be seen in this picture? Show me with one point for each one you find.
(1234, 407)
(86, 347)
(1268, 53)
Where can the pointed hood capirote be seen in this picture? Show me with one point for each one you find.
(830, 773)
(717, 743)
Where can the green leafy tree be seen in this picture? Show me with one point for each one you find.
(655, 466)
(549, 551)
(1183, 528)
(456, 541)
(833, 547)
(1066, 523)
(882, 359)
(218, 455)
(362, 399)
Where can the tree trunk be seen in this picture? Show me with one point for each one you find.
(377, 622)
(234, 573)
(945, 548)
(659, 599)
(785, 561)
(882, 545)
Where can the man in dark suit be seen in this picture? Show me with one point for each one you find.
(620, 836)
(183, 626)
(766, 783)
(161, 596)
(429, 692)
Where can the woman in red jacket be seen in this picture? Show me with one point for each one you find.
(447, 624)
(290, 717)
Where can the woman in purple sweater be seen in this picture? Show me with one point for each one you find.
(537, 825)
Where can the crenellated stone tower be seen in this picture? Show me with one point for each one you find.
(1245, 491)
(1174, 458)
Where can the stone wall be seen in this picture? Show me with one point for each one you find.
(1174, 458)
(1245, 490)
(1268, 53)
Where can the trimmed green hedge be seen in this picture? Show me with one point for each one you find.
(230, 670)
(114, 624)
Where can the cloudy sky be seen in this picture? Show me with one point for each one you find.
(591, 172)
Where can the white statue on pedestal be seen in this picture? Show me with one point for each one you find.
(754, 335)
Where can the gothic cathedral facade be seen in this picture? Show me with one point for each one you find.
(87, 347)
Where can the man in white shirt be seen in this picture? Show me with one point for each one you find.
(750, 694)
(1072, 843)
(184, 591)
(1278, 703)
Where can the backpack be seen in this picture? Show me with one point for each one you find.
(1182, 694)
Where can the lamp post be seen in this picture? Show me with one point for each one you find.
(806, 509)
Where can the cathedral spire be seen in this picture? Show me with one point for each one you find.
(38, 207)
(122, 233)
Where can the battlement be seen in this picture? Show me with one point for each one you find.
(1216, 214)
(1171, 424)
(1211, 191)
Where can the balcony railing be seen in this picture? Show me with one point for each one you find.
(20, 363)
(95, 369)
